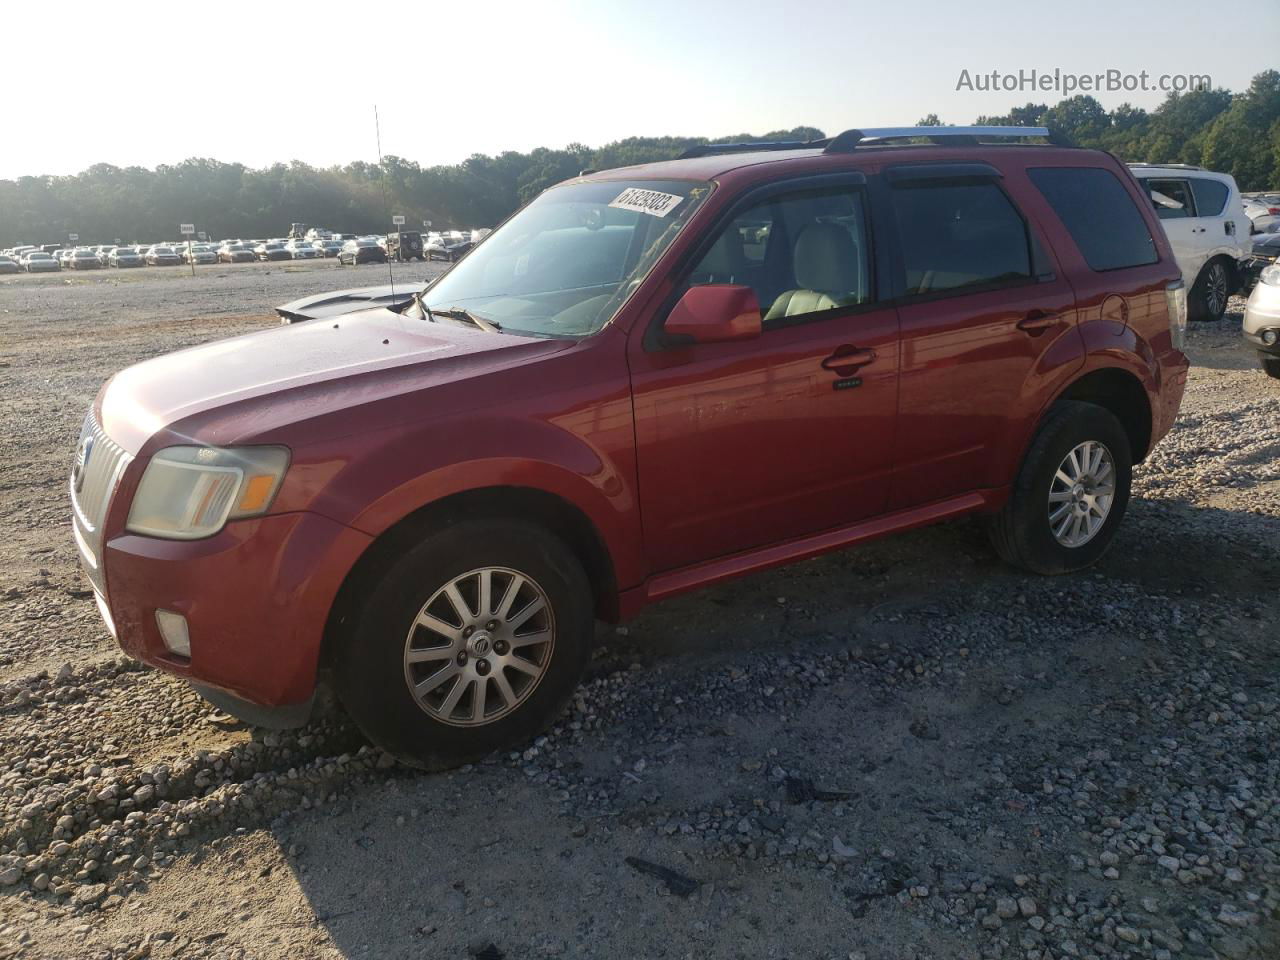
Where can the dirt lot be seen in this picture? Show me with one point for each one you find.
(902, 751)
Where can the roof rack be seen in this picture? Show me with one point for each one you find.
(711, 149)
(850, 140)
(1169, 166)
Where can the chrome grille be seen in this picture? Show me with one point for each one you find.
(99, 463)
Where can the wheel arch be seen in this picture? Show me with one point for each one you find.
(559, 516)
(1122, 394)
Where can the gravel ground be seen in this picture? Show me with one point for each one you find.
(903, 751)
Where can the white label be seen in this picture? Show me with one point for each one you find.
(398, 220)
(73, 237)
(186, 229)
(646, 201)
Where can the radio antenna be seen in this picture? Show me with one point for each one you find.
(386, 203)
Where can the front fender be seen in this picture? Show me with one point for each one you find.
(372, 482)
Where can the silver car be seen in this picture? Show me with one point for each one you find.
(1262, 319)
(37, 261)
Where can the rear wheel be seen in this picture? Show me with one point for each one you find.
(1209, 294)
(1070, 494)
(472, 641)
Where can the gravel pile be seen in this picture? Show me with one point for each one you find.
(903, 751)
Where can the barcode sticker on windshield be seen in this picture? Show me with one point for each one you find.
(647, 201)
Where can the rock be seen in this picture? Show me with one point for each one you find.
(1128, 934)
(10, 876)
(89, 894)
(1006, 908)
(1027, 906)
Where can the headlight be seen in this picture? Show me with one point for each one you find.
(191, 492)
(1271, 275)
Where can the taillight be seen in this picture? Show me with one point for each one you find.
(1274, 211)
(1175, 298)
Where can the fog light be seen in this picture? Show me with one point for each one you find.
(173, 630)
(1269, 337)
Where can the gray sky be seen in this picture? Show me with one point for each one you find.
(267, 82)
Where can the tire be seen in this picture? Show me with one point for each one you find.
(1022, 532)
(1271, 366)
(372, 677)
(1208, 300)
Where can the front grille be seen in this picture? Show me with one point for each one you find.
(99, 464)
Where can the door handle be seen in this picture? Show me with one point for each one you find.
(846, 359)
(1038, 321)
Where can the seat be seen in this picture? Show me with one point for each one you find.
(725, 262)
(828, 269)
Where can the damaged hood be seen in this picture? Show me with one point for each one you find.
(245, 386)
(337, 302)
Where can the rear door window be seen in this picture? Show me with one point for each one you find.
(1100, 215)
(1210, 196)
(959, 235)
(1171, 198)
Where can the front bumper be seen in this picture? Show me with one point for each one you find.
(256, 598)
(1262, 313)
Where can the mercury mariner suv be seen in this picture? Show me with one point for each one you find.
(647, 380)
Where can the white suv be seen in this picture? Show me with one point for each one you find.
(1203, 217)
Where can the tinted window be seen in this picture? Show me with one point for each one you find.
(803, 253)
(1099, 214)
(1171, 198)
(1211, 196)
(957, 235)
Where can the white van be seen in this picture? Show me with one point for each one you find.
(1207, 227)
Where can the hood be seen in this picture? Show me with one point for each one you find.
(250, 384)
(338, 302)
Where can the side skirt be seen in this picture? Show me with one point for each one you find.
(710, 572)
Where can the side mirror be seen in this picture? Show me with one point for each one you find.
(716, 313)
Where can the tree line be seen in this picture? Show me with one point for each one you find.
(1236, 133)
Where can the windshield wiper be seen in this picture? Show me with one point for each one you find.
(458, 313)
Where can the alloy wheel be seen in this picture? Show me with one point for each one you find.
(1215, 294)
(1081, 494)
(479, 647)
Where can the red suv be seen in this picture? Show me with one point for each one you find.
(647, 380)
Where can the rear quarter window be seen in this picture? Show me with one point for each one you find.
(1211, 196)
(1099, 214)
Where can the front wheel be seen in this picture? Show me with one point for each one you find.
(1070, 493)
(472, 641)
(1271, 366)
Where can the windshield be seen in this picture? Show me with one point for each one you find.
(566, 263)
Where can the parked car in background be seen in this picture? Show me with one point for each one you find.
(64, 256)
(37, 261)
(1201, 214)
(199, 253)
(355, 252)
(272, 250)
(328, 247)
(10, 265)
(1265, 251)
(1262, 318)
(1263, 214)
(84, 259)
(430, 508)
(302, 249)
(125, 257)
(162, 255)
(236, 253)
(446, 248)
